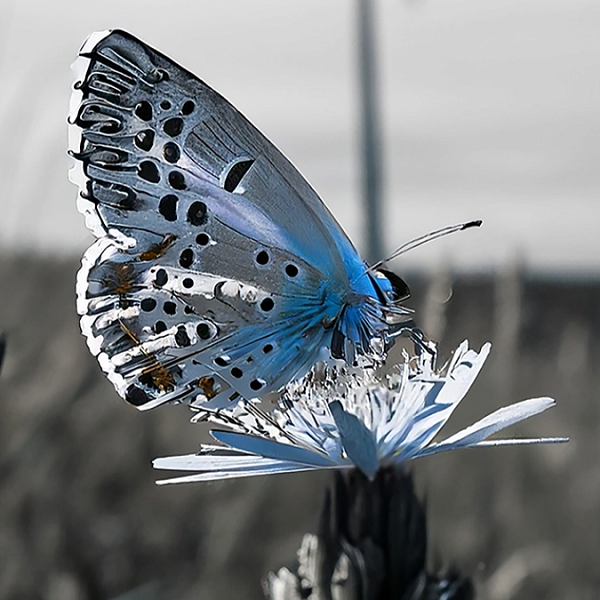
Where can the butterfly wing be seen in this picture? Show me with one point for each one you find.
(217, 268)
(158, 126)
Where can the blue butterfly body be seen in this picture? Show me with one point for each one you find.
(218, 272)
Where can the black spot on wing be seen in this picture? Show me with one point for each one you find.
(186, 258)
(203, 331)
(171, 152)
(143, 110)
(177, 180)
(196, 214)
(149, 171)
(167, 207)
(236, 173)
(188, 108)
(173, 127)
(136, 396)
(262, 258)
(181, 337)
(144, 139)
(148, 304)
(267, 304)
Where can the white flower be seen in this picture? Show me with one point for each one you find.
(353, 420)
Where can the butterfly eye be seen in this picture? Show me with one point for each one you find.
(400, 288)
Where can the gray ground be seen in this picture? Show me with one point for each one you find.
(80, 516)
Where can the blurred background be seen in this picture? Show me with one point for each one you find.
(486, 109)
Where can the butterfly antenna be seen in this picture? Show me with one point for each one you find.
(428, 237)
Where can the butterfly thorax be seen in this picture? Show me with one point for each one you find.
(365, 320)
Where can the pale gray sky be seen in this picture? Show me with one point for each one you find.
(490, 110)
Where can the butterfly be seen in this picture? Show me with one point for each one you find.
(218, 273)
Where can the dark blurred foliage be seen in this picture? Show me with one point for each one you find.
(81, 518)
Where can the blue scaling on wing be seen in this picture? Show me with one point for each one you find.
(218, 273)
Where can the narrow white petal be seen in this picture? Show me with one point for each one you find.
(271, 449)
(209, 462)
(475, 434)
(270, 469)
(436, 403)
(520, 442)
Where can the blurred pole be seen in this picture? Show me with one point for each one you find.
(370, 143)
(2, 348)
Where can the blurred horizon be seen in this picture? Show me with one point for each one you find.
(488, 111)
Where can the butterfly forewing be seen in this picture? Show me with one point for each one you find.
(151, 127)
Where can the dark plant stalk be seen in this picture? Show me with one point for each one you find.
(371, 545)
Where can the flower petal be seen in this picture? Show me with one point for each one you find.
(357, 440)
(270, 449)
(475, 434)
(263, 467)
(441, 396)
